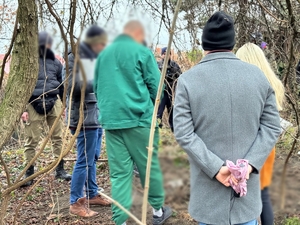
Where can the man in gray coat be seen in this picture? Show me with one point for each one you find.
(225, 109)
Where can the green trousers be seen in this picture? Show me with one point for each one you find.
(35, 126)
(125, 147)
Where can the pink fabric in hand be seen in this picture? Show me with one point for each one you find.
(239, 171)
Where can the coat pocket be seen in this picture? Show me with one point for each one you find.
(74, 113)
(91, 114)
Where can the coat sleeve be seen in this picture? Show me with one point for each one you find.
(197, 150)
(177, 70)
(96, 77)
(72, 75)
(151, 74)
(267, 135)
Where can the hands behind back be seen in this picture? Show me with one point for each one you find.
(224, 175)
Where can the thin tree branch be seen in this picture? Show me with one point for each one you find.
(14, 36)
(268, 11)
(5, 169)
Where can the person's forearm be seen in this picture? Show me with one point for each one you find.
(207, 161)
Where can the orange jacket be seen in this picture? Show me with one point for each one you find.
(267, 170)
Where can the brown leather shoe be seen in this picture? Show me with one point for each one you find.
(98, 200)
(79, 208)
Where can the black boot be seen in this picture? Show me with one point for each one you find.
(28, 173)
(61, 173)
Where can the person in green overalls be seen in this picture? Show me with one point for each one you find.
(126, 84)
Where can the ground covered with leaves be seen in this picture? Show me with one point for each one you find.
(49, 201)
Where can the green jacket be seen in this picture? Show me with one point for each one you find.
(126, 83)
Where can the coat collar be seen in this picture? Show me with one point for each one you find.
(163, 60)
(124, 37)
(46, 53)
(218, 55)
(85, 51)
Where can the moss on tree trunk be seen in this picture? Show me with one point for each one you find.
(23, 71)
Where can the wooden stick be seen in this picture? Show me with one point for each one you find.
(122, 208)
(154, 115)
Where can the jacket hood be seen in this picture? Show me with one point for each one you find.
(47, 53)
(84, 51)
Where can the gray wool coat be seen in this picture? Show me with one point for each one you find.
(225, 109)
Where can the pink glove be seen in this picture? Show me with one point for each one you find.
(239, 171)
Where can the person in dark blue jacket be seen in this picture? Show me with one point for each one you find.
(90, 136)
(172, 74)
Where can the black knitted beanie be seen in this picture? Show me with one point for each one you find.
(218, 33)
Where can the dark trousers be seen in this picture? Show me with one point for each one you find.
(267, 216)
(166, 102)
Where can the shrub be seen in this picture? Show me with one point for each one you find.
(292, 221)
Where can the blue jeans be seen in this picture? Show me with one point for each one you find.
(253, 222)
(88, 152)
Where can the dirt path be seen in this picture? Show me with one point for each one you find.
(49, 202)
(292, 207)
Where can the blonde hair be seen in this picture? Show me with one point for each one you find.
(253, 54)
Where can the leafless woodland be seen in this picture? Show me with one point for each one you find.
(20, 22)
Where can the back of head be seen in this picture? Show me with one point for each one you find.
(135, 29)
(95, 35)
(45, 39)
(164, 50)
(251, 53)
(218, 33)
(256, 38)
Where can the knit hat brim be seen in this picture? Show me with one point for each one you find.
(99, 39)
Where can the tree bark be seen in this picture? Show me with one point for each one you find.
(23, 71)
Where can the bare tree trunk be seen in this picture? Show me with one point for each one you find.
(242, 26)
(22, 78)
(24, 70)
